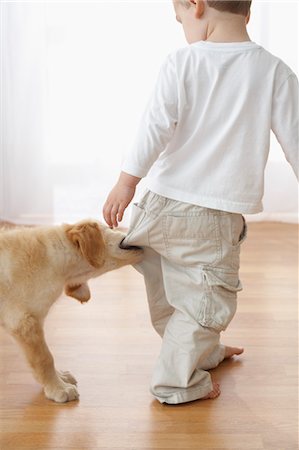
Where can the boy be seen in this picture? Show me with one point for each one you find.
(205, 137)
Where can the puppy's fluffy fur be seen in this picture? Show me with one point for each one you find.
(36, 264)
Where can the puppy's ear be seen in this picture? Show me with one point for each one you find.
(88, 238)
(80, 292)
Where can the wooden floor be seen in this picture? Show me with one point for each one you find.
(111, 348)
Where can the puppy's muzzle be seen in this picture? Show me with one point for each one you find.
(128, 247)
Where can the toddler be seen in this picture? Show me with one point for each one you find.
(203, 144)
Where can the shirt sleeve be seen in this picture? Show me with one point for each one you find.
(157, 123)
(285, 120)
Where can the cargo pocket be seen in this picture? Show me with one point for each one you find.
(192, 240)
(220, 299)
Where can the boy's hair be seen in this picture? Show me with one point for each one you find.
(235, 7)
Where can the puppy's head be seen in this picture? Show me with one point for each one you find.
(102, 248)
(88, 239)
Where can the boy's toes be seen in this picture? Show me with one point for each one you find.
(214, 393)
(231, 351)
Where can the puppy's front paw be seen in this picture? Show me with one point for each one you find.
(67, 377)
(61, 392)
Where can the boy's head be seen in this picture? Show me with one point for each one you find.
(200, 17)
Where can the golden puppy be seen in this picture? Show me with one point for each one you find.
(36, 264)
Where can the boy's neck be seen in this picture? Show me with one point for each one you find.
(227, 31)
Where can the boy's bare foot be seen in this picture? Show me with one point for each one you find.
(214, 393)
(231, 351)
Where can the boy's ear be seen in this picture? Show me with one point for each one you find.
(247, 17)
(88, 239)
(80, 292)
(199, 8)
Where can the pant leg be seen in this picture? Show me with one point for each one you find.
(214, 359)
(178, 376)
(160, 309)
(143, 219)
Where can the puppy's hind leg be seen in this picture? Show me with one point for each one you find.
(30, 335)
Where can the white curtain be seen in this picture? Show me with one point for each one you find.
(75, 77)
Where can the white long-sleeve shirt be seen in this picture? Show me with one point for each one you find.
(204, 137)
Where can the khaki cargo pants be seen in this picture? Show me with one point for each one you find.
(191, 275)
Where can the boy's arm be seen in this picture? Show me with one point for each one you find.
(155, 131)
(157, 123)
(285, 120)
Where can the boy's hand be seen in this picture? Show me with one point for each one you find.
(116, 203)
(119, 198)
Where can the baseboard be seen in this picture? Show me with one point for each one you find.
(48, 219)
